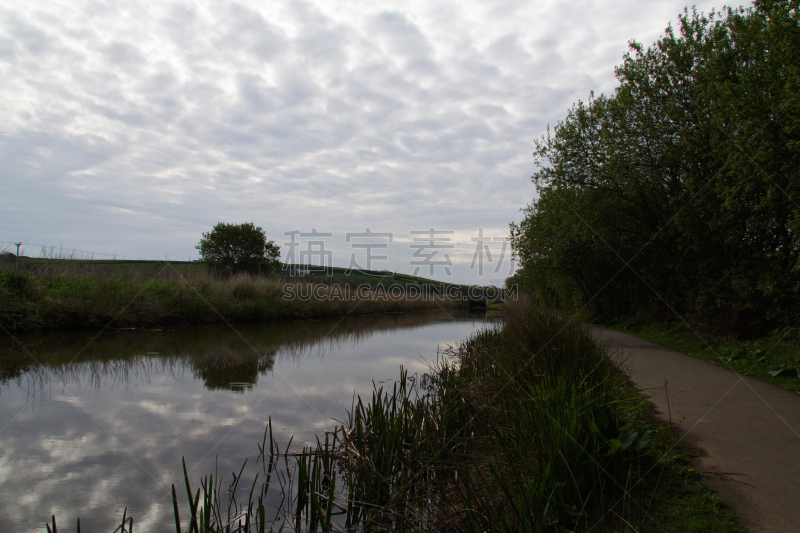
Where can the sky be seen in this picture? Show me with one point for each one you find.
(127, 129)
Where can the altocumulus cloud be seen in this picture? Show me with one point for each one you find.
(131, 127)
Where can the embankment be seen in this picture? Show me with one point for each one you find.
(46, 301)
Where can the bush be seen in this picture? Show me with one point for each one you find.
(237, 248)
(12, 282)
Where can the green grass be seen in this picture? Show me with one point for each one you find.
(684, 504)
(384, 278)
(774, 358)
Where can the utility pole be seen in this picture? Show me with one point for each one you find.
(18, 245)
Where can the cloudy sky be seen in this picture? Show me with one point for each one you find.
(129, 128)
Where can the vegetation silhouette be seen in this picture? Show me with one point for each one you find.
(677, 196)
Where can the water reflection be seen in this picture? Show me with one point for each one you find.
(223, 357)
(89, 428)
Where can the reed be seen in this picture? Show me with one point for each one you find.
(125, 526)
(71, 295)
(523, 428)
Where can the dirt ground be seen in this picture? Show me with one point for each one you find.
(748, 429)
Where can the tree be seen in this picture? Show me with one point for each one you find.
(234, 248)
(678, 197)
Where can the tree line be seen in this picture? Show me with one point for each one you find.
(678, 197)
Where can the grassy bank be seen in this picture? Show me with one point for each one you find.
(87, 296)
(774, 358)
(524, 428)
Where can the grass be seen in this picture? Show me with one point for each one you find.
(74, 294)
(383, 278)
(58, 260)
(774, 358)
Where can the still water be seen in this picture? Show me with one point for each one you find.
(90, 425)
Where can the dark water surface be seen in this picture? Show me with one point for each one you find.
(90, 425)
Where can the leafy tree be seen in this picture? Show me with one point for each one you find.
(233, 248)
(678, 197)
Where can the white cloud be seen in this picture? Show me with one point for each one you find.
(169, 117)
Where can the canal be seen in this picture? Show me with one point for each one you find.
(92, 424)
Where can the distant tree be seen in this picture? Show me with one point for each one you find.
(233, 248)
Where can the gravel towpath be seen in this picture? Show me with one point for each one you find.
(749, 430)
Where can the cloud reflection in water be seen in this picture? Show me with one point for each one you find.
(88, 435)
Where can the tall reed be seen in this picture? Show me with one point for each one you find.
(80, 295)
